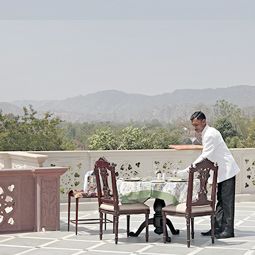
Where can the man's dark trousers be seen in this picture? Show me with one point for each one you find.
(225, 208)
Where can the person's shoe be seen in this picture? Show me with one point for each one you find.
(224, 234)
(208, 233)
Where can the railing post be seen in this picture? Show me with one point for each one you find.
(7, 160)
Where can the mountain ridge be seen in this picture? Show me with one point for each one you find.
(118, 106)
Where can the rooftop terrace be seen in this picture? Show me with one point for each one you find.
(87, 241)
(144, 163)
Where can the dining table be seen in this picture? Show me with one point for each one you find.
(170, 190)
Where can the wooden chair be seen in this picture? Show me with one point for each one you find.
(108, 200)
(200, 204)
(77, 195)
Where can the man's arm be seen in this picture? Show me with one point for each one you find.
(183, 173)
(209, 145)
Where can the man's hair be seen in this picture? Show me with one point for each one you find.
(198, 115)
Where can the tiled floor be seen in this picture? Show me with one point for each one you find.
(87, 241)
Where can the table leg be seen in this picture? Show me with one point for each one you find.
(140, 229)
(172, 228)
(157, 206)
(157, 221)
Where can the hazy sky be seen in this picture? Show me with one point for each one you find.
(54, 49)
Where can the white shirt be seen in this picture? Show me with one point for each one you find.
(215, 149)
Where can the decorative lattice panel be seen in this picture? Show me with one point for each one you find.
(249, 182)
(168, 168)
(7, 204)
(128, 169)
(72, 179)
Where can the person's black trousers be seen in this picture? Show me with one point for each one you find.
(225, 208)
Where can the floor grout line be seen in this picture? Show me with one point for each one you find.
(245, 223)
(24, 252)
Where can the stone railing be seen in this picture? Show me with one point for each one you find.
(20, 160)
(129, 163)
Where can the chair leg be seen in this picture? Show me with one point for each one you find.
(105, 219)
(68, 212)
(113, 224)
(101, 225)
(212, 228)
(128, 225)
(188, 231)
(147, 227)
(116, 228)
(76, 215)
(164, 226)
(192, 228)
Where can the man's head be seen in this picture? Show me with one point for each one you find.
(198, 121)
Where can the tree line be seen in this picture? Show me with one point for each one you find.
(35, 132)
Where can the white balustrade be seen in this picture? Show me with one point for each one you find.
(129, 163)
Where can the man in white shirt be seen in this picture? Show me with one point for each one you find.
(215, 149)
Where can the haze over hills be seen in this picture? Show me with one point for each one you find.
(117, 106)
(10, 108)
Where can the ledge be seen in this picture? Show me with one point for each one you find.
(22, 158)
(185, 147)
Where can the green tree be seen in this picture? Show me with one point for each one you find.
(223, 108)
(162, 138)
(250, 141)
(235, 142)
(225, 111)
(28, 132)
(225, 127)
(103, 139)
(133, 138)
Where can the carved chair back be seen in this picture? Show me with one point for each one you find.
(206, 194)
(106, 183)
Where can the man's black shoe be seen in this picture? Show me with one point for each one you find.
(224, 234)
(208, 233)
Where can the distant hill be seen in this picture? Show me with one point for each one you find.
(10, 108)
(117, 106)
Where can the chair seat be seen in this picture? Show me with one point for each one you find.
(82, 194)
(181, 208)
(77, 194)
(127, 208)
